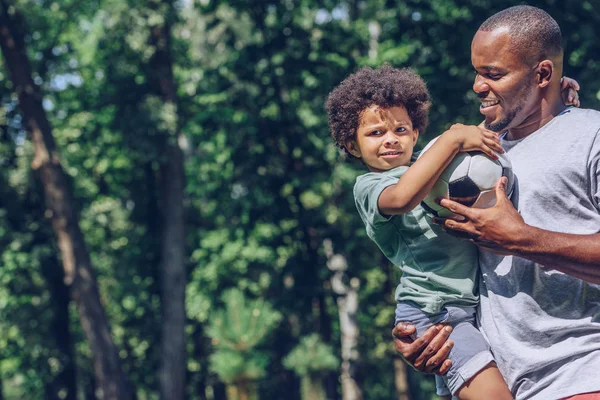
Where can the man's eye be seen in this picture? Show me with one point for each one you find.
(494, 77)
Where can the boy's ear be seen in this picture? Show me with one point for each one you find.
(352, 148)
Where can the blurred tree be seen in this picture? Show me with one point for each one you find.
(76, 261)
(264, 186)
(236, 331)
(171, 183)
(310, 359)
(348, 307)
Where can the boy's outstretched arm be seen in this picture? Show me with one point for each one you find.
(414, 185)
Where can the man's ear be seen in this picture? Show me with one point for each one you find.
(545, 70)
(352, 147)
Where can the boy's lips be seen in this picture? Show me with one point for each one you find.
(390, 154)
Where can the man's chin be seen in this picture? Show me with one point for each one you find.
(499, 126)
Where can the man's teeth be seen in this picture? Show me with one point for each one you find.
(489, 103)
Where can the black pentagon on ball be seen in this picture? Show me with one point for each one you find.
(464, 191)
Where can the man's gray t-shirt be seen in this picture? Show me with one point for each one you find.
(543, 325)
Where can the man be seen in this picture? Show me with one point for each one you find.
(540, 302)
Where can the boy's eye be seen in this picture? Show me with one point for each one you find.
(400, 129)
(374, 133)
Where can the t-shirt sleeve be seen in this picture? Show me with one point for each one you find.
(594, 171)
(367, 190)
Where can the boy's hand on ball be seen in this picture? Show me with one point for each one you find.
(474, 138)
(495, 228)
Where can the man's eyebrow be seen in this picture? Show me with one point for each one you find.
(490, 67)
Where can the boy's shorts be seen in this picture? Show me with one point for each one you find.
(470, 353)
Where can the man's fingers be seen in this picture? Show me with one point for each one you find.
(501, 195)
(455, 207)
(403, 330)
(403, 340)
(434, 363)
(444, 368)
(435, 347)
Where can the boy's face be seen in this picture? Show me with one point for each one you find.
(385, 138)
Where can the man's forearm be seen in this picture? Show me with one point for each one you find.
(576, 255)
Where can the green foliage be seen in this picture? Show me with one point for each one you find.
(236, 331)
(265, 185)
(311, 355)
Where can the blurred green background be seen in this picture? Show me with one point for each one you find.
(215, 213)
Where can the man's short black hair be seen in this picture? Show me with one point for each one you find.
(535, 35)
(384, 87)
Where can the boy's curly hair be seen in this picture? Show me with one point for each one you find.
(385, 87)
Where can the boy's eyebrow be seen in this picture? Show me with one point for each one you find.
(378, 124)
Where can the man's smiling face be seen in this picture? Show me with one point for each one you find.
(504, 82)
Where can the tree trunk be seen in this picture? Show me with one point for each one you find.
(172, 374)
(242, 390)
(312, 388)
(347, 305)
(65, 382)
(401, 380)
(75, 257)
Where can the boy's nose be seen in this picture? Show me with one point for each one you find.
(390, 138)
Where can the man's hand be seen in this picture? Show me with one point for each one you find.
(495, 229)
(429, 352)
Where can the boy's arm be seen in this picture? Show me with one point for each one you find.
(418, 180)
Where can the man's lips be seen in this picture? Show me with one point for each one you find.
(485, 103)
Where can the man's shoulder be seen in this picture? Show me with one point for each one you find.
(584, 114)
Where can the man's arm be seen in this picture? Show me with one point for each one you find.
(414, 185)
(501, 229)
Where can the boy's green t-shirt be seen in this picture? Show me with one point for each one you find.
(437, 268)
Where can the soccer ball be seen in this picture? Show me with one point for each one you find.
(469, 179)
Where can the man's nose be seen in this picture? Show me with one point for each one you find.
(480, 85)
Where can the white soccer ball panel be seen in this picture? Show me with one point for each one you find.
(458, 167)
(486, 199)
(484, 171)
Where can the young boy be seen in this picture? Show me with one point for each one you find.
(377, 116)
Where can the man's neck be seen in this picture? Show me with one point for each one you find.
(536, 120)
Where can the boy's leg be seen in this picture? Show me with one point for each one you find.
(487, 384)
(407, 312)
(474, 374)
